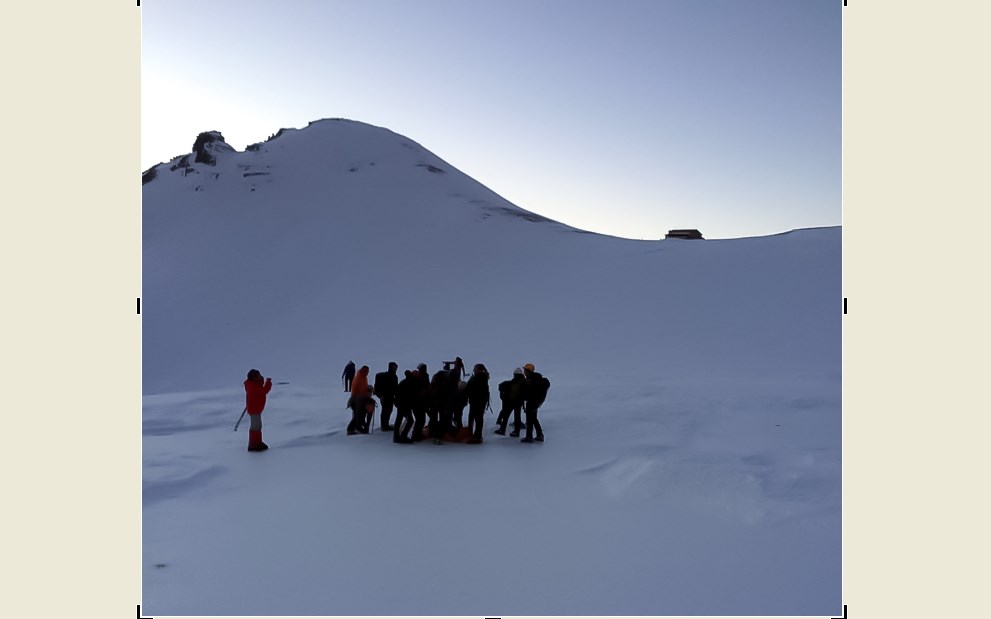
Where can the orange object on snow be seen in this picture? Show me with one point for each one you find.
(360, 384)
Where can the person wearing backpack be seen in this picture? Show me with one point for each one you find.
(535, 388)
(511, 394)
(444, 400)
(478, 398)
(385, 388)
(256, 389)
(348, 376)
(437, 407)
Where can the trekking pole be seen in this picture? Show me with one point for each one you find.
(240, 418)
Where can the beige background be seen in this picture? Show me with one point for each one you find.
(916, 343)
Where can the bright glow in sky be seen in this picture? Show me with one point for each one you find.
(627, 118)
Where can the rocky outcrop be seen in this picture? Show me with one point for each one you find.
(207, 145)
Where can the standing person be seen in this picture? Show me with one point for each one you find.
(535, 388)
(348, 375)
(511, 394)
(437, 407)
(459, 400)
(385, 388)
(478, 399)
(451, 401)
(405, 397)
(421, 400)
(360, 392)
(255, 391)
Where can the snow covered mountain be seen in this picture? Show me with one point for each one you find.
(363, 237)
(693, 455)
(343, 240)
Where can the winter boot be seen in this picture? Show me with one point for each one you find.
(255, 441)
(526, 440)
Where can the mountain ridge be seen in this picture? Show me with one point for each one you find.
(323, 147)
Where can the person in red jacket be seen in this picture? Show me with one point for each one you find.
(361, 394)
(360, 384)
(255, 390)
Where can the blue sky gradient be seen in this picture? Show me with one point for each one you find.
(625, 118)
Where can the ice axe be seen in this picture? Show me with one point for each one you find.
(240, 418)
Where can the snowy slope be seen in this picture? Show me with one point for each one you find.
(693, 455)
(319, 261)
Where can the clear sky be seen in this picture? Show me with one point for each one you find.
(628, 117)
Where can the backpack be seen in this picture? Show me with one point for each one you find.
(504, 389)
(515, 392)
(541, 386)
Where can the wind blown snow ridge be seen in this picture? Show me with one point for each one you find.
(693, 423)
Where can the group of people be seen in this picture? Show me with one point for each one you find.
(433, 406)
(426, 406)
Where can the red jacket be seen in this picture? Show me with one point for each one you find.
(360, 385)
(255, 395)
